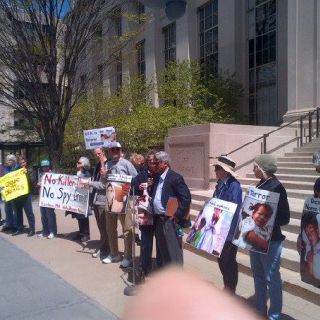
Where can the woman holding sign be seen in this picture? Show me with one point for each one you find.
(83, 171)
(265, 267)
(228, 188)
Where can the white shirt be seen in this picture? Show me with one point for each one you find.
(157, 205)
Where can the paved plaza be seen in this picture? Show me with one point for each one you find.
(58, 278)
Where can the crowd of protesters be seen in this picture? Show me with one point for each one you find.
(154, 174)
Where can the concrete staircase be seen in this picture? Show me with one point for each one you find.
(297, 174)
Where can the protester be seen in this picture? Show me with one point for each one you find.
(169, 186)
(25, 202)
(48, 215)
(11, 217)
(118, 165)
(98, 202)
(147, 176)
(310, 224)
(2, 173)
(265, 267)
(83, 171)
(228, 189)
(138, 161)
(316, 160)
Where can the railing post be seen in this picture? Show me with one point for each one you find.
(301, 131)
(317, 134)
(265, 143)
(310, 126)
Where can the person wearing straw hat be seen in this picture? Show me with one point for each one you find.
(228, 188)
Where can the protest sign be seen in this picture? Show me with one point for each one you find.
(212, 226)
(65, 192)
(14, 185)
(117, 189)
(258, 213)
(310, 242)
(102, 137)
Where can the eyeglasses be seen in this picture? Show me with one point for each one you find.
(114, 149)
(217, 168)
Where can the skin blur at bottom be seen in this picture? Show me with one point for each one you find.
(177, 294)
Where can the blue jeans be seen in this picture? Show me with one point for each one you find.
(11, 218)
(267, 279)
(48, 219)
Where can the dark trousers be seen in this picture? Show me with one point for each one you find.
(84, 228)
(228, 266)
(18, 204)
(27, 206)
(168, 242)
(100, 215)
(147, 233)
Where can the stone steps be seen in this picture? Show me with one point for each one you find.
(289, 177)
(297, 173)
(292, 184)
(291, 279)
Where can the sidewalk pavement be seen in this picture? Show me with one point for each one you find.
(73, 262)
(29, 291)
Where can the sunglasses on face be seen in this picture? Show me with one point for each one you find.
(114, 149)
(217, 168)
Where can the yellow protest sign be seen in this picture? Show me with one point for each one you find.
(14, 185)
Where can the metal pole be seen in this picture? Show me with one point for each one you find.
(265, 143)
(301, 131)
(310, 126)
(317, 135)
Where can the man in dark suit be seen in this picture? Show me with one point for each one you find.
(169, 193)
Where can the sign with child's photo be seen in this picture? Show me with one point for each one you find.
(117, 190)
(211, 228)
(309, 242)
(257, 216)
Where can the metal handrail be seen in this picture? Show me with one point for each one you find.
(301, 118)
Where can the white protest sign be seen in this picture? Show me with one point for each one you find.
(102, 137)
(65, 192)
(211, 228)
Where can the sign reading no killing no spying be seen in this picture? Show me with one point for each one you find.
(65, 192)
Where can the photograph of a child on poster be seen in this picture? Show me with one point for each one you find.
(310, 242)
(257, 214)
(210, 229)
(117, 189)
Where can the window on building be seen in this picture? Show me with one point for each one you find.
(20, 122)
(118, 78)
(262, 61)
(208, 27)
(140, 12)
(169, 33)
(117, 21)
(83, 85)
(141, 63)
(100, 76)
(98, 33)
